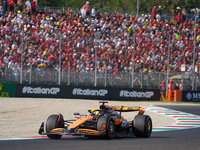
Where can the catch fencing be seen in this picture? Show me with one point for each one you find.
(34, 75)
(75, 10)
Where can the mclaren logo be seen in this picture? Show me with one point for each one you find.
(189, 96)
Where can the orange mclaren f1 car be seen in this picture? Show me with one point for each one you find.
(104, 122)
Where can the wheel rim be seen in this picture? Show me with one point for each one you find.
(111, 127)
(149, 126)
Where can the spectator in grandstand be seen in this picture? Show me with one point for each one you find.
(33, 6)
(158, 17)
(11, 4)
(1, 11)
(28, 4)
(15, 72)
(93, 13)
(83, 12)
(178, 18)
(176, 11)
(114, 41)
(159, 10)
(20, 5)
(184, 14)
(87, 8)
(5, 5)
(153, 12)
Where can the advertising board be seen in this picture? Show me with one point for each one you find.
(191, 96)
(85, 92)
(7, 89)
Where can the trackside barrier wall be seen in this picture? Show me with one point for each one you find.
(86, 92)
(190, 96)
(7, 89)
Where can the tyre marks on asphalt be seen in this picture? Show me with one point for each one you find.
(183, 120)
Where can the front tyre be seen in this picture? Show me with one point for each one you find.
(106, 127)
(142, 126)
(54, 121)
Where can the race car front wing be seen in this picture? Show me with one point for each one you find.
(66, 131)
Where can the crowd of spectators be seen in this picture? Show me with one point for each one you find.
(113, 42)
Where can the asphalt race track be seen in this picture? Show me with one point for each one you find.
(188, 139)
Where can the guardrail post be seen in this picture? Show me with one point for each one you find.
(168, 65)
(68, 80)
(22, 51)
(105, 77)
(77, 78)
(112, 79)
(59, 71)
(30, 76)
(159, 80)
(182, 81)
(95, 71)
(133, 63)
(130, 79)
(36, 74)
(195, 82)
(147, 75)
(141, 79)
(194, 51)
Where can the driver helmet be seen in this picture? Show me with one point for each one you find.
(99, 113)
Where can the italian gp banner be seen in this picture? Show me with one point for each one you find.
(85, 92)
(62, 91)
(136, 94)
(191, 96)
(38, 90)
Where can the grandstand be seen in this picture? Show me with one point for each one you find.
(110, 34)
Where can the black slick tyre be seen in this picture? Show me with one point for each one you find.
(142, 126)
(54, 121)
(106, 127)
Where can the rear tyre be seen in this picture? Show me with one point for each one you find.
(106, 127)
(54, 121)
(142, 126)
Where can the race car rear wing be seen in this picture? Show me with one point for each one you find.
(128, 109)
(125, 109)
